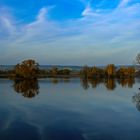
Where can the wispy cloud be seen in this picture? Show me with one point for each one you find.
(88, 11)
(6, 22)
(99, 34)
(123, 3)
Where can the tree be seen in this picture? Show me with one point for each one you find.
(85, 71)
(94, 71)
(124, 72)
(111, 70)
(64, 71)
(137, 59)
(54, 71)
(27, 69)
(131, 71)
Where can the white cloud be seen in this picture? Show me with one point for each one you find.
(96, 32)
(6, 22)
(88, 11)
(123, 3)
(42, 14)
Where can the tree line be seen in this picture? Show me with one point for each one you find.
(29, 69)
(110, 71)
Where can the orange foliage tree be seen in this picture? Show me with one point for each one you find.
(111, 70)
(27, 69)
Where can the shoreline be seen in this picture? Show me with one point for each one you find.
(23, 71)
(11, 77)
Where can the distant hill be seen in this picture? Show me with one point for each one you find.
(76, 68)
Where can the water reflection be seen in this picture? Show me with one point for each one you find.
(28, 88)
(136, 100)
(110, 83)
(85, 83)
(60, 80)
(70, 116)
(20, 130)
(127, 82)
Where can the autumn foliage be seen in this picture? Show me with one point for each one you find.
(110, 71)
(27, 69)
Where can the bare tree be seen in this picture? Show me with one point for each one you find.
(137, 59)
(137, 63)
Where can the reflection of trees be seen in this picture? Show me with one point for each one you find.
(66, 79)
(110, 83)
(54, 81)
(57, 80)
(131, 81)
(95, 82)
(28, 88)
(136, 100)
(84, 83)
(126, 82)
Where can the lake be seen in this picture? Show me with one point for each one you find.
(69, 109)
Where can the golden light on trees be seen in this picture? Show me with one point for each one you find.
(27, 69)
(111, 70)
(124, 72)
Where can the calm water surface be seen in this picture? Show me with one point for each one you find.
(71, 109)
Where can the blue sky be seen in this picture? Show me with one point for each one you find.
(78, 32)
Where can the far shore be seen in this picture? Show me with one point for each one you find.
(24, 71)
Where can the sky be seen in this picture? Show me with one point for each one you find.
(69, 32)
